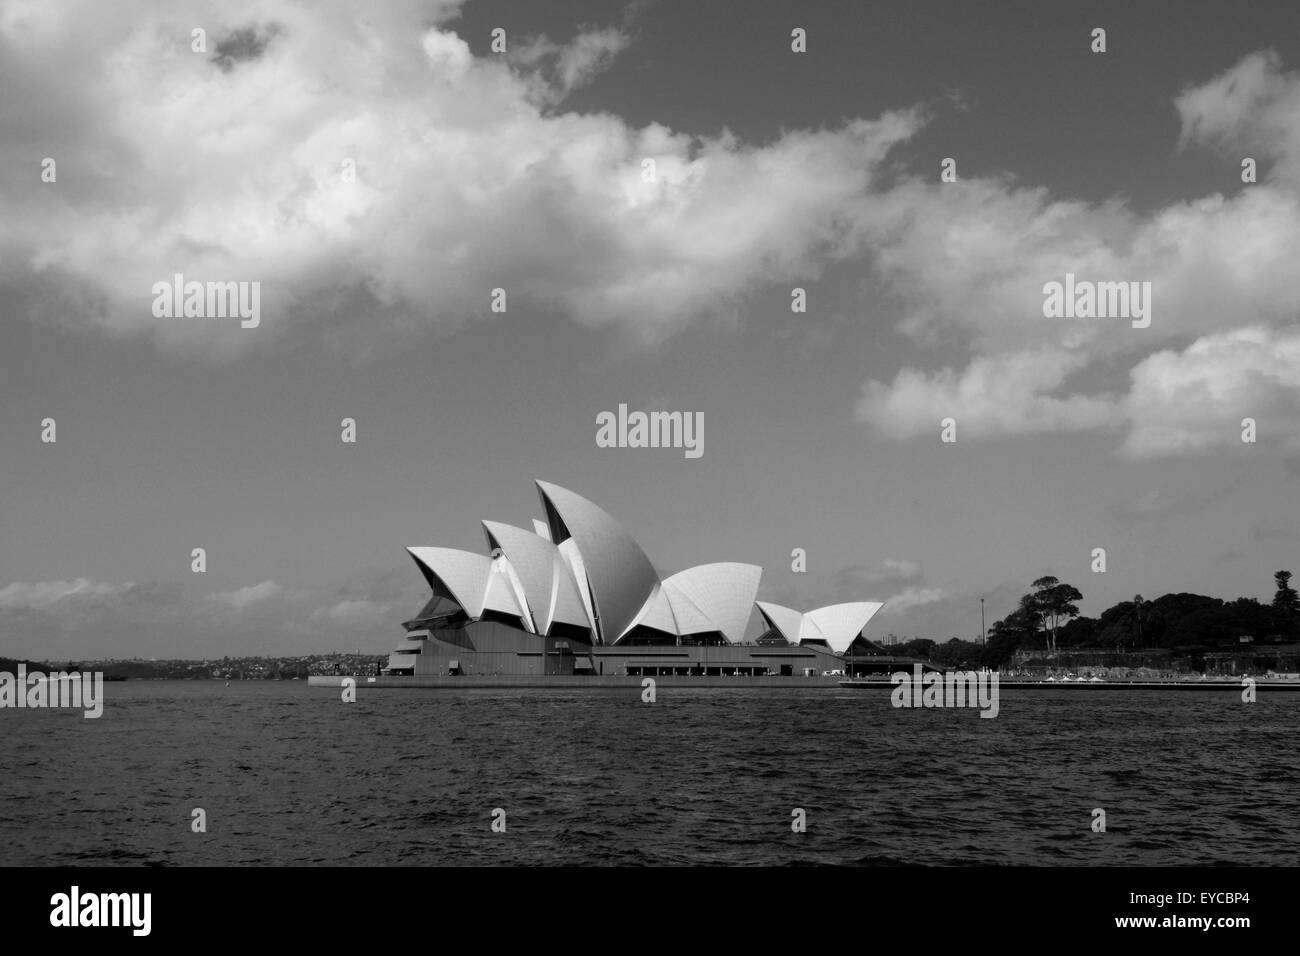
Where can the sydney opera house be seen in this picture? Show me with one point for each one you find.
(578, 596)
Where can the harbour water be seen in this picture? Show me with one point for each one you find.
(289, 774)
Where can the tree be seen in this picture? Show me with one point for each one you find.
(916, 647)
(1017, 629)
(1080, 632)
(957, 653)
(1030, 613)
(1114, 634)
(1054, 601)
(1286, 600)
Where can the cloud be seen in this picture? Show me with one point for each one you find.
(902, 567)
(969, 260)
(898, 582)
(910, 598)
(1004, 394)
(44, 594)
(852, 582)
(895, 581)
(1197, 398)
(88, 619)
(352, 613)
(231, 168)
(471, 176)
(1254, 105)
(555, 70)
(254, 596)
(938, 614)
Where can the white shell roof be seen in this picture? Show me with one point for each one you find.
(840, 624)
(837, 624)
(621, 576)
(547, 586)
(572, 559)
(505, 593)
(464, 574)
(568, 605)
(786, 620)
(690, 618)
(533, 560)
(723, 592)
(656, 613)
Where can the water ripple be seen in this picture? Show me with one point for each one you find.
(290, 775)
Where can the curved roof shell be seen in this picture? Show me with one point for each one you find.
(621, 577)
(840, 624)
(723, 592)
(461, 575)
(836, 624)
(568, 605)
(656, 613)
(505, 593)
(533, 560)
(549, 591)
(785, 620)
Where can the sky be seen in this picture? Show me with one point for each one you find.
(380, 170)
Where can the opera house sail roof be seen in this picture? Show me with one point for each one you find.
(580, 574)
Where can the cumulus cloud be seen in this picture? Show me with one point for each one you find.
(230, 166)
(970, 261)
(910, 598)
(1000, 394)
(555, 69)
(1253, 106)
(471, 175)
(1197, 398)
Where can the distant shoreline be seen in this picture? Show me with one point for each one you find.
(565, 682)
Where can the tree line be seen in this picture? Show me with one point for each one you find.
(1048, 619)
